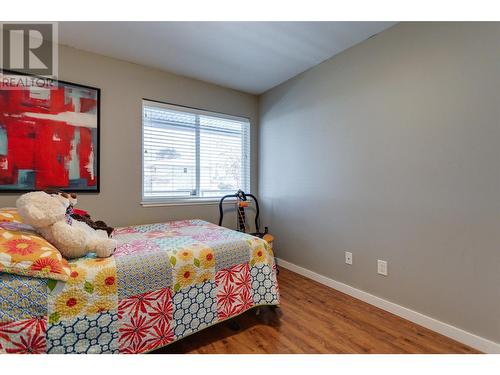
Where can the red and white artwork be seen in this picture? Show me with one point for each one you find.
(49, 138)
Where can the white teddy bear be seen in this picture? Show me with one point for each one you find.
(47, 213)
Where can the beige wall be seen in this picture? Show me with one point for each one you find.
(391, 150)
(123, 85)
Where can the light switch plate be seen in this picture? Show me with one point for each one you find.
(382, 267)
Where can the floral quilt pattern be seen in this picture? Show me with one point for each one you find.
(27, 336)
(24, 252)
(234, 293)
(146, 321)
(164, 282)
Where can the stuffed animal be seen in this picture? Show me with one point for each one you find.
(81, 215)
(84, 216)
(47, 213)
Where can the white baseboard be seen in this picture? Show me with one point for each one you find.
(467, 338)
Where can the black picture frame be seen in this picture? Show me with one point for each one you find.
(97, 152)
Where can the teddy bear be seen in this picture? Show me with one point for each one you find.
(48, 214)
(84, 216)
(81, 215)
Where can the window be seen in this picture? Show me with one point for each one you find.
(189, 154)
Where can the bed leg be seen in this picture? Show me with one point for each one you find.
(233, 325)
(276, 310)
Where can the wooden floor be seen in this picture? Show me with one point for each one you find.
(316, 319)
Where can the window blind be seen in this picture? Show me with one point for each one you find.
(193, 154)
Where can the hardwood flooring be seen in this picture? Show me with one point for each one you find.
(316, 319)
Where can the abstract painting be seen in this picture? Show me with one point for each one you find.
(49, 138)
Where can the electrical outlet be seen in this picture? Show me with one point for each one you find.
(382, 267)
(348, 257)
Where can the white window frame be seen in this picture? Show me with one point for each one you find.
(195, 200)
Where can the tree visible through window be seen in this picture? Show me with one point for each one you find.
(189, 153)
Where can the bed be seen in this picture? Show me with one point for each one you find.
(165, 282)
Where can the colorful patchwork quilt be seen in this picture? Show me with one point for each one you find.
(164, 282)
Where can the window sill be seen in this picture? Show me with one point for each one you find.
(181, 202)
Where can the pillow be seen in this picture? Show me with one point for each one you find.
(24, 252)
(10, 215)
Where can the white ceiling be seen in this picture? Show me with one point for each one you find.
(247, 56)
